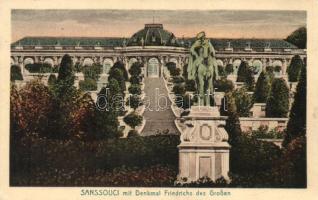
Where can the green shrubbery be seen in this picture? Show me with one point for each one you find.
(134, 89)
(298, 38)
(245, 74)
(190, 85)
(88, 84)
(224, 85)
(263, 86)
(277, 104)
(178, 89)
(15, 73)
(264, 133)
(133, 120)
(294, 68)
(40, 68)
(229, 69)
(44, 161)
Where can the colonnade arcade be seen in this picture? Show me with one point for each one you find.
(154, 62)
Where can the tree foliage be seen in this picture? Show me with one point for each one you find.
(298, 38)
(243, 102)
(134, 101)
(294, 68)
(245, 74)
(229, 69)
(133, 120)
(232, 126)
(297, 118)
(224, 85)
(135, 69)
(15, 73)
(121, 66)
(105, 119)
(134, 89)
(30, 109)
(66, 71)
(277, 104)
(118, 75)
(262, 88)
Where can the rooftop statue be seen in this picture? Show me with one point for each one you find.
(202, 68)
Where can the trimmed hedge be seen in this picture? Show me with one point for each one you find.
(31, 152)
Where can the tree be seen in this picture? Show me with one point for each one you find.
(83, 118)
(242, 72)
(270, 72)
(190, 85)
(52, 80)
(245, 74)
(34, 104)
(105, 118)
(135, 69)
(134, 101)
(133, 120)
(243, 102)
(134, 89)
(66, 71)
(297, 118)
(174, 71)
(291, 171)
(250, 81)
(16, 73)
(294, 68)
(185, 71)
(262, 88)
(65, 100)
(121, 66)
(277, 104)
(114, 96)
(221, 70)
(298, 38)
(134, 80)
(224, 85)
(229, 69)
(88, 84)
(232, 125)
(16, 127)
(117, 74)
(178, 90)
(93, 71)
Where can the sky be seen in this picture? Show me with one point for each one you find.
(183, 23)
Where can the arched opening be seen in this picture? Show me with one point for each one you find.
(220, 65)
(277, 67)
(28, 61)
(88, 62)
(49, 61)
(153, 67)
(107, 64)
(257, 66)
(236, 65)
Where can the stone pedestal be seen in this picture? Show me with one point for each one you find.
(204, 150)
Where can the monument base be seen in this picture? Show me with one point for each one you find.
(204, 150)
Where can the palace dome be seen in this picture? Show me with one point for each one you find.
(153, 35)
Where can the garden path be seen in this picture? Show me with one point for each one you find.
(159, 119)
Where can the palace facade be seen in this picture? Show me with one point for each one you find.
(154, 46)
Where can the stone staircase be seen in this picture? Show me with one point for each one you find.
(159, 119)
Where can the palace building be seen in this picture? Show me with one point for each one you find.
(152, 45)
